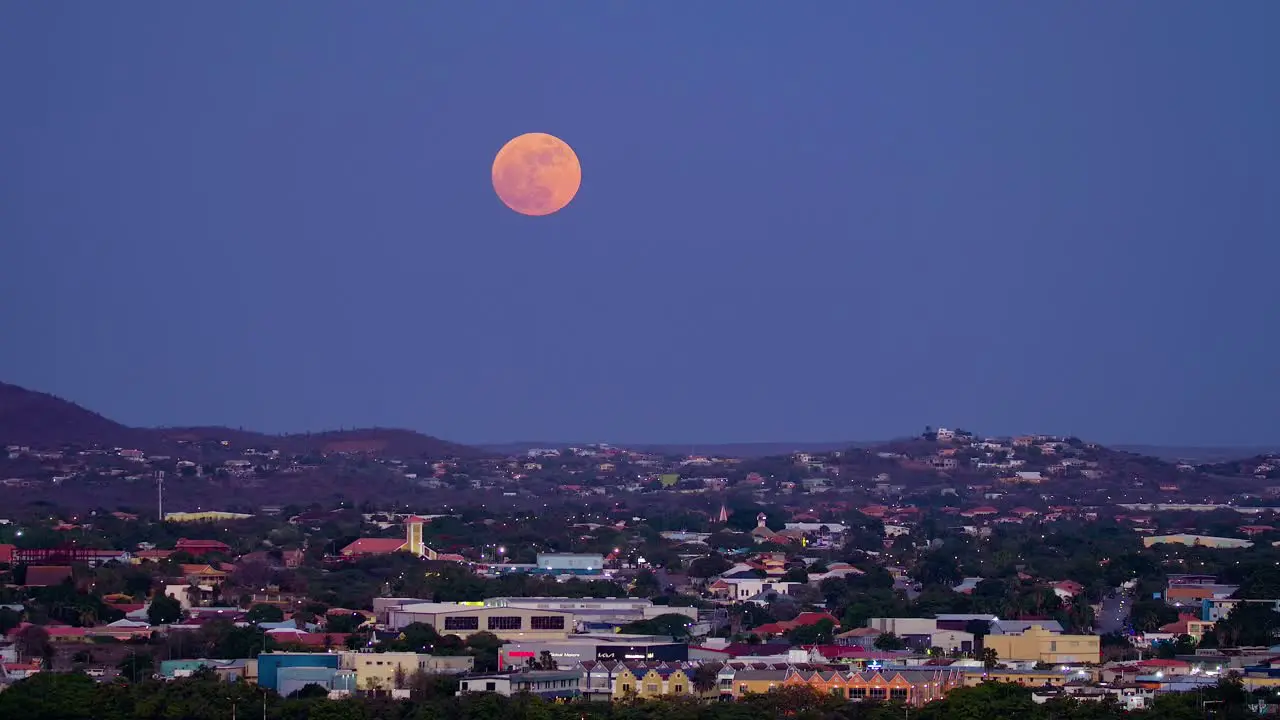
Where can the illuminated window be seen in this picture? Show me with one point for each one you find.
(546, 622)
(461, 623)
(506, 622)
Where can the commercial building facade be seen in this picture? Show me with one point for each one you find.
(1040, 645)
(378, 671)
(588, 611)
(547, 684)
(571, 563)
(508, 623)
(571, 652)
(905, 685)
(271, 664)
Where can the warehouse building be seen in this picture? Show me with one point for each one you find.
(508, 623)
(589, 611)
(568, 653)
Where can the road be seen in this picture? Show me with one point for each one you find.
(1115, 613)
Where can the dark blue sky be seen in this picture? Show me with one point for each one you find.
(797, 220)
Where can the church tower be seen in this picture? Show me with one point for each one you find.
(413, 538)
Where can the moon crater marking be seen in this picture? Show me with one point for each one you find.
(536, 174)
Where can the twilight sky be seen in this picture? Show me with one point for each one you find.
(797, 221)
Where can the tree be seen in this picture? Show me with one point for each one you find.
(484, 647)
(9, 619)
(263, 613)
(164, 609)
(310, 691)
(342, 623)
(990, 658)
(674, 624)
(1151, 615)
(33, 642)
(52, 696)
(888, 641)
(979, 630)
(1264, 584)
(819, 633)
(1248, 624)
(136, 667)
(415, 637)
(544, 661)
(646, 584)
(1181, 645)
(704, 678)
(797, 575)
(988, 700)
(709, 566)
(430, 686)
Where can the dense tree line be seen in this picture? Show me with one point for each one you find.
(51, 696)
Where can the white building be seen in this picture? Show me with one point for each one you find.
(904, 626)
(595, 610)
(571, 562)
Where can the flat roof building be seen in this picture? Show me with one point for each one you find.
(508, 623)
(570, 652)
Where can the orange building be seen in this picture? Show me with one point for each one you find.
(905, 685)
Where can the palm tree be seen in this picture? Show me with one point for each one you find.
(704, 679)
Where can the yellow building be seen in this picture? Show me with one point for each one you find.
(1030, 678)
(911, 686)
(1040, 645)
(664, 681)
(625, 682)
(413, 537)
(378, 670)
(204, 516)
(1197, 628)
(1209, 541)
(203, 574)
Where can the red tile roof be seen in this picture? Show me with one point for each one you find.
(805, 618)
(156, 555)
(200, 547)
(306, 639)
(1163, 663)
(374, 546)
(46, 575)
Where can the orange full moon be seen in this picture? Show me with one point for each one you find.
(536, 174)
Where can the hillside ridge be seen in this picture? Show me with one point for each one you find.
(38, 419)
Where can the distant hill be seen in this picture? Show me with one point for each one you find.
(727, 450)
(1198, 454)
(767, 449)
(41, 420)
